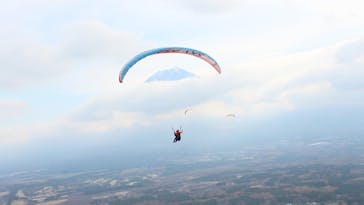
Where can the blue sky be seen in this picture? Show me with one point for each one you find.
(60, 62)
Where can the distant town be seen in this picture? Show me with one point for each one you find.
(292, 172)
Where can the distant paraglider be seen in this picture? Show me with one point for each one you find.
(230, 115)
(188, 110)
(188, 51)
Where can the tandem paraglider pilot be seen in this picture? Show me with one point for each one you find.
(177, 135)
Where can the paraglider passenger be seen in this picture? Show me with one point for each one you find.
(177, 135)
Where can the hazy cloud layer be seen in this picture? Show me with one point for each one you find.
(289, 83)
(11, 108)
(211, 6)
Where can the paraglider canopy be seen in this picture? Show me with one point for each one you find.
(188, 51)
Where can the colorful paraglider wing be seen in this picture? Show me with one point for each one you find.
(189, 51)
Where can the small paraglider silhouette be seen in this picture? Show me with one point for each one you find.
(230, 115)
(177, 134)
(187, 110)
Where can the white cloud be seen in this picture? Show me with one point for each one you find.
(24, 62)
(11, 108)
(310, 95)
(20, 134)
(87, 40)
(108, 123)
(11, 136)
(85, 43)
(211, 6)
(214, 109)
